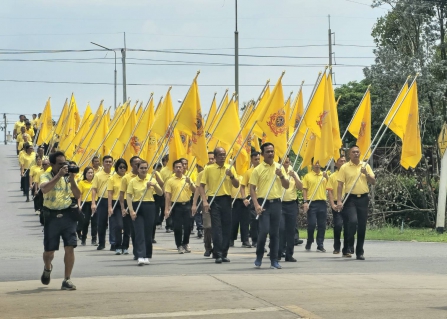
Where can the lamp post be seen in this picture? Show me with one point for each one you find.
(115, 65)
(236, 59)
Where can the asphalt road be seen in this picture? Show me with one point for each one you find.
(397, 280)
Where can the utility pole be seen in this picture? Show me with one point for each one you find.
(123, 53)
(236, 61)
(101, 46)
(330, 46)
(4, 117)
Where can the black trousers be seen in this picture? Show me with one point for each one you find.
(181, 214)
(240, 220)
(159, 212)
(143, 224)
(287, 228)
(25, 183)
(269, 225)
(316, 217)
(102, 216)
(220, 212)
(356, 209)
(117, 218)
(129, 231)
(87, 210)
(340, 221)
(254, 224)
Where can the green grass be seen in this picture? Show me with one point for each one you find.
(395, 234)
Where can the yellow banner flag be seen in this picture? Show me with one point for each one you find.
(360, 126)
(295, 119)
(314, 114)
(273, 121)
(308, 150)
(442, 140)
(164, 116)
(337, 143)
(411, 143)
(62, 118)
(46, 125)
(399, 122)
(211, 115)
(324, 145)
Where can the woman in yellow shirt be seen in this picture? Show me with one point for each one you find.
(115, 214)
(34, 176)
(26, 160)
(144, 217)
(86, 196)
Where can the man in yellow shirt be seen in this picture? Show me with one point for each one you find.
(354, 176)
(29, 131)
(96, 164)
(255, 159)
(196, 217)
(59, 219)
(17, 126)
(267, 202)
(165, 174)
(34, 123)
(206, 218)
(339, 219)
(314, 197)
(220, 208)
(178, 190)
(99, 200)
(289, 207)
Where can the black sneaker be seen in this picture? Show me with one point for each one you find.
(246, 245)
(68, 285)
(207, 253)
(83, 243)
(112, 247)
(45, 278)
(351, 250)
(154, 241)
(199, 234)
(321, 249)
(298, 242)
(225, 260)
(218, 260)
(308, 246)
(94, 242)
(100, 247)
(360, 257)
(168, 230)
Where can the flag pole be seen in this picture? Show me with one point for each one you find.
(295, 100)
(64, 124)
(381, 136)
(40, 126)
(234, 158)
(220, 118)
(183, 102)
(78, 132)
(292, 138)
(218, 109)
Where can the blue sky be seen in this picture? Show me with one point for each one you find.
(295, 32)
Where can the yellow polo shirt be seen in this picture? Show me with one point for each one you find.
(262, 178)
(59, 196)
(35, 172)
(332, 186)
(348, 174)
(236, 192)
(212, 177)
(125, 182)
(137, 187)
(100, 183)
(290, 193)
(114, 184)
(246, 177)
(18, 125)
(34, 123)
(30, 132)
(20, 137)
(310, 183)
(85, 186)
(174, 185)
(165, 174)
(97, 170)
(199, 178)
(27, 160)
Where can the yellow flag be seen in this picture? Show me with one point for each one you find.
(100, 134)
(140, 110)
(111, 145)
(314, 113)
(295, 119)
(308, 150)
(442, 139)
(99, 112)
(360, 126)
(259, 112)
(193, 110)
(46, 125)
(86, 125)
(273, 121)
(62, 118)
(75, 113)
(399, 122)
(143, 127)
(83, 147)
(164, 116)
(211, 115)
(338, 144)
(229, 125)
(219, 115)
(126, 136)
(324, 145)
(411, 143)
(176, 149)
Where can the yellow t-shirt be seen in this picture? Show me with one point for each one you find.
(290, 193)
(30, 132)
(212, 177)
(114, 184)
(27, 160)
(34, 123)
(247, 175)
(35, 172)
(125, 182)
(165, 174)
(262, 178)
(138, 186)
(18, 125)
(59, 196)
(97, 170)
(20, 137)
(178, 186)
(85, 186)
(348, 174)
(199, 178)
(236, 192)
(100, 183)
(310, 183)
(332, 186)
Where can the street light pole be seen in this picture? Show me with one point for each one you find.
(115, 66)
(236, 61)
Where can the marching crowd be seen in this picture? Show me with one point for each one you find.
(132, 199)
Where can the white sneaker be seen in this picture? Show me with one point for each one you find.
(146, 261)
(140, 261)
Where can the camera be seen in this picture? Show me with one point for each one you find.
(73, 169)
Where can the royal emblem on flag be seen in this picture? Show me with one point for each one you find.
(135, 143)
(321, 118)
(297, 121)
(80, 150)
(277, 122)
(362, 129)
(199, 124)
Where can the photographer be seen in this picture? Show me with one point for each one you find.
(60, 218)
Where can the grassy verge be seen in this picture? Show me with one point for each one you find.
(395, 234)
